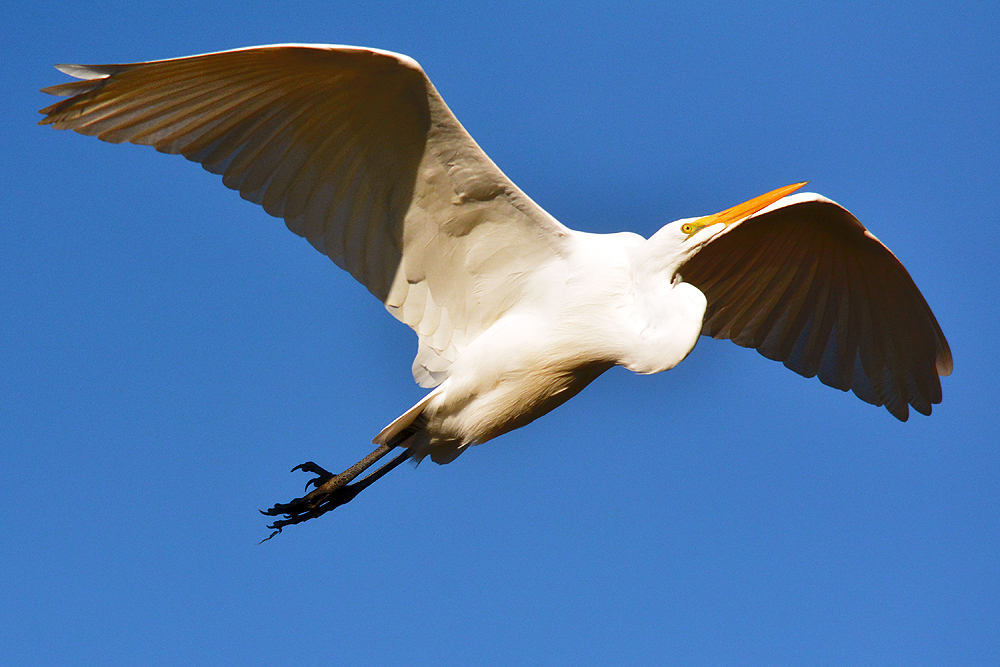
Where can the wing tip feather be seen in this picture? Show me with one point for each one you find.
(943, 363)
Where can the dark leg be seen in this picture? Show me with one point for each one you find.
(331, 491)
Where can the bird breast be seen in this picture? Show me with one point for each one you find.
(667, 321)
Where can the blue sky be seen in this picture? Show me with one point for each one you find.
(168, 352)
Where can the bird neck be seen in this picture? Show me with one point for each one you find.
(667, 313)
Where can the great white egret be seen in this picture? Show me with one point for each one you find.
(514, 312)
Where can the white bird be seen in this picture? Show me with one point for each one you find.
(514, 312)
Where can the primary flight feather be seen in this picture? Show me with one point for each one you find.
(514, 312)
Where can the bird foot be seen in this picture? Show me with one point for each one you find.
(331, 491)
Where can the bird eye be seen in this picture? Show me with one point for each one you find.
(687, 228)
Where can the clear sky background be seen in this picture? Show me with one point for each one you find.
(168, 352)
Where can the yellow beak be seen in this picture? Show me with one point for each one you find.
(747, 208)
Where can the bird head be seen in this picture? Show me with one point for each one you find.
(691, 226)
(672, 245)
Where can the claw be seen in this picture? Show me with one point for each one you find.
(315, 469)
(322, 474)
(273, 533)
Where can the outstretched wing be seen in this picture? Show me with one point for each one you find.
(359, 154)
(806, 284)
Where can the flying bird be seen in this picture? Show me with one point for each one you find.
(514, 312)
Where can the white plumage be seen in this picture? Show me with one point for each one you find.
(514, 312)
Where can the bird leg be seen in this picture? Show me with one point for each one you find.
(331, 490)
